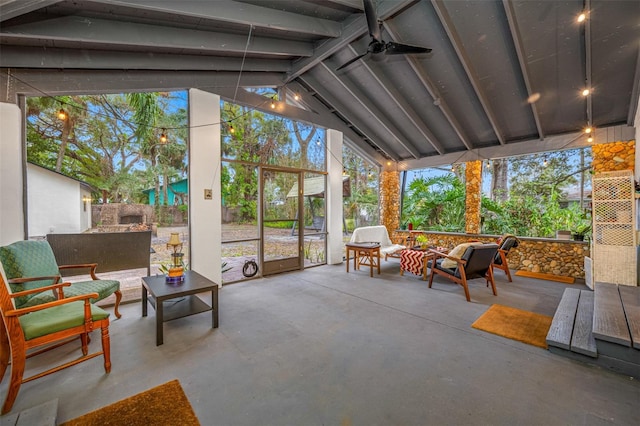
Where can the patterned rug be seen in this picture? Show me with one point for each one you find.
(163, 405)
(523, 326)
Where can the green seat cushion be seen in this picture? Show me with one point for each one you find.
(57, 318)
(24, 259)
(104, 288)
(39, 299)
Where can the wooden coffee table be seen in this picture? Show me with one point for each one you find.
(364, 254)
(156, 291)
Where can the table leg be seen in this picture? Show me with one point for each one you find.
(159, 317)
(214, 306)
(144, 301)
(378, 255)
(348, 259)
(370, 256)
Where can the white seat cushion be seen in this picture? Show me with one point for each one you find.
(375, 234)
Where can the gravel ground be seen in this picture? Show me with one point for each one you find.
(279, 242)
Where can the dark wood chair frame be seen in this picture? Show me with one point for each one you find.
(503, 251)
(461, 270)
(14, 346)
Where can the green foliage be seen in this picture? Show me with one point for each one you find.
(285, 224)
(109, 141)
(436, 203)
(361, 207)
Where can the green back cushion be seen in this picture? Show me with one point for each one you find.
(57, 318)
(24, 259)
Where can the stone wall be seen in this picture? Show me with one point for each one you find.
(613, 156)
(473, 199)
(390, 200)
(549, 256)
(112, 214)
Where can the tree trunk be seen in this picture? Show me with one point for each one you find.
(499, 188)
(64, 139)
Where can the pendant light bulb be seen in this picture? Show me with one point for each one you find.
(62, 115)
(163, 137)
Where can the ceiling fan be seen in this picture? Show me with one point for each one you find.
(377, 45)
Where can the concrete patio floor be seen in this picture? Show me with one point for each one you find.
(323, 347)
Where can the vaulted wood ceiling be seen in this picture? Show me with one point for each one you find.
(504, 77)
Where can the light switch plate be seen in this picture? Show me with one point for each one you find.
(208, 194)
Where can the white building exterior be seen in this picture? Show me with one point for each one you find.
(55, 203)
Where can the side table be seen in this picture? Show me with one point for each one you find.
(364, 254)
(156, 291)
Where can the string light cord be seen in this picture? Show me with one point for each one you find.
(261, 106)
(244, 55)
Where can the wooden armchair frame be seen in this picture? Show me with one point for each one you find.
(459, 274)
(500, 260)
(22, 272)
(14, 345)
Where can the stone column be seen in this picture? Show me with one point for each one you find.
(608, 157)
(390, 200)
(473, 176)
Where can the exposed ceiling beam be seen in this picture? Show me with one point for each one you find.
(399, 101)
(464, 59)
(551, 143)
(635, 97)
(322, 118)
(41, 57)
(85, 82)
(12, 8)
(360, 125)
(375, 112)
(354, 27)
(126, 34)
(517, 42)
(420, 72)
(355, 4)
(237, 13)
(356, 141)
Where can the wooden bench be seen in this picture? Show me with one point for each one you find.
(601, 327)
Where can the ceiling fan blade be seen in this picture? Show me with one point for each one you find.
(372, 20)
(393, 48)
(346, 64)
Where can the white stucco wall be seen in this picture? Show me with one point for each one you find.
(11, 205)
(334, 197)
(205, 216)
(54, 203)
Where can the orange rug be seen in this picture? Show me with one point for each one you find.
(523, 326)
(163, 405)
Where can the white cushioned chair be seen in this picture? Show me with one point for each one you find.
(376, 234)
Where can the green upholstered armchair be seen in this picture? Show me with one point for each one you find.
(32, 264)
(29, 331)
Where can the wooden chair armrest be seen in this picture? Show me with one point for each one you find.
(22, 280)
(22, 311)
(93, 267)
(39, 289)
(439, 254)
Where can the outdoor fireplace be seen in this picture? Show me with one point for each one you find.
(132, 218)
